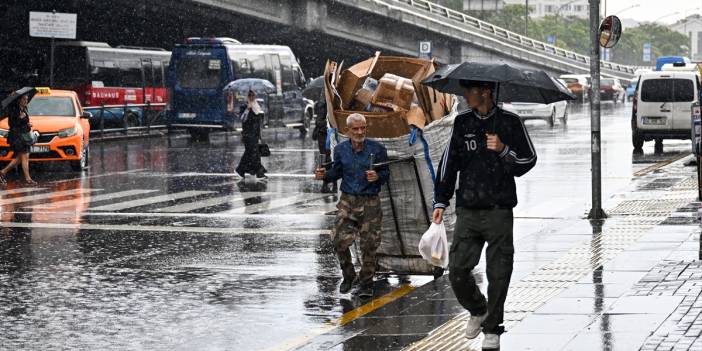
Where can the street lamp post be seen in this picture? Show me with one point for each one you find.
(627, 8)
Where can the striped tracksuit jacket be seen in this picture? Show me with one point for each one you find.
(486, 177)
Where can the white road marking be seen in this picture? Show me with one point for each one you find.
(16, 200)
(19, 191)
(157, 228)
(100, 175)
(149, 200)
(101, 197)
(209, 202)
(275, 204)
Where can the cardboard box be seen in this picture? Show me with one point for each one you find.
(431, 105)
(380, 124)
(362, 99)
(352, 78)
(396, 90)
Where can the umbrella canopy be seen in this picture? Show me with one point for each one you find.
(513, 84)
(314, 89)
(259, 86)
(29, 91)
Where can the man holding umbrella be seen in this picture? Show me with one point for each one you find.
(488, 148)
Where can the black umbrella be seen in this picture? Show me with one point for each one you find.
(314, 89)
(513, 84)
(29, 91)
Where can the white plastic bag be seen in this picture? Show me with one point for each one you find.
(434, 246)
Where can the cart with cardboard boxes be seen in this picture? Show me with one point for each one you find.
(414, 123)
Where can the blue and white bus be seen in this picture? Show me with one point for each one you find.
(201, 68)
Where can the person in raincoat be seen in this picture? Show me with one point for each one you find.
(488, 148)
(359, 213)
(19, 125)
(251, 117)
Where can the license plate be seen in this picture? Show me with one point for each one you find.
(186, 115)
(39, 148)
(524, 112)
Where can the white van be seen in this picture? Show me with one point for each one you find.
(662, 107)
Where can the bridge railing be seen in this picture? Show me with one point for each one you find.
(512, 37)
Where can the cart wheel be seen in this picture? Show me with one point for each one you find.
(438, 272)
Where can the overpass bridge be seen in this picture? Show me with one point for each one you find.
(349, 30)
(399, 25)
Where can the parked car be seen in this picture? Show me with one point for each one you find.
(611, 90)
(548, 113)
(662, 107)
(579, 85)
(63, 127)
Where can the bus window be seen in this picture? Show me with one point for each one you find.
(131, 73)
(287, 72)
(299, 77)
(250, 65)
(199, 73)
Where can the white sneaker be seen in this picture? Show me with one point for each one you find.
(491, 342)
(473, 326)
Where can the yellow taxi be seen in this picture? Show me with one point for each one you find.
(64, 131)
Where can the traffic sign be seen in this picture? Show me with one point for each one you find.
(424, 49)
(646, 52)
(52, 25)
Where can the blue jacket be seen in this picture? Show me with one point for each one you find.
(351, 167)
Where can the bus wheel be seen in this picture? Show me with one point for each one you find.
(199, 134)
(131, 120)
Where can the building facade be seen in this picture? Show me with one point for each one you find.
(691, 27)
(564, 8)
(483, 5)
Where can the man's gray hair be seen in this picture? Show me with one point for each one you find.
(355, 117)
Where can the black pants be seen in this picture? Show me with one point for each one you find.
(474, 228)
(251, 159)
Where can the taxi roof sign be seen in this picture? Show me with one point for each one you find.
(43, 90)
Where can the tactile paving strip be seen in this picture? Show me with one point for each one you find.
(537, 288)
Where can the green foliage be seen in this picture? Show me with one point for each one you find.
(573, 33)
(664, 42)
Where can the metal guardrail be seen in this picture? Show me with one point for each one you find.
(504, 34)
(125, 109)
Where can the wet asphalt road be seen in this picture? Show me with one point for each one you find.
(160, 246)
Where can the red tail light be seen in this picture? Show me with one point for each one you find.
(230, 102)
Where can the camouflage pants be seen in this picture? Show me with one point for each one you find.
(358, 216)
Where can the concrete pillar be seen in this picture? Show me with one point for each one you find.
(309, 15)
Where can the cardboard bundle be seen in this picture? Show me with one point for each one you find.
(396, 102)
(387, 90)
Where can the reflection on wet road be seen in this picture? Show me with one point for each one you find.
(161, 246)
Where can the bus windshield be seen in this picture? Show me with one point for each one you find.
(199, 73)
(51, 106)
(251, 65)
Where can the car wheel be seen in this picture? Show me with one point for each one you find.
(306, 120)
(82, 163)
(637, 139)
(131, 120)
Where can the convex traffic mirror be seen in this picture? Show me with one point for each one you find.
(610, 31)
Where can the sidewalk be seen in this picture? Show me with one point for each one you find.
(631, 282)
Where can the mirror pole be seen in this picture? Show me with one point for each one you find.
(595, 147)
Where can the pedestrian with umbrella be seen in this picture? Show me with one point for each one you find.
(488, 148)
(251, 117)
(20, 134)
